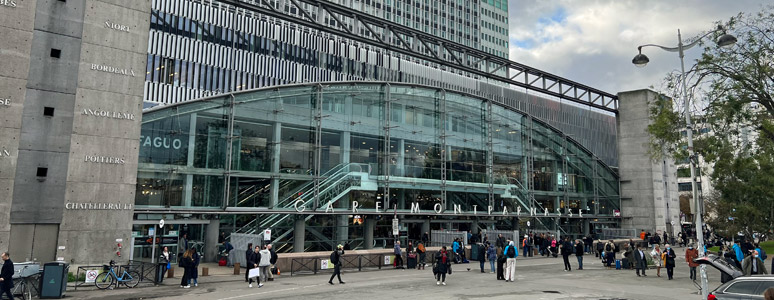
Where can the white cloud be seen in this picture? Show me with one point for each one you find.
(593, 42)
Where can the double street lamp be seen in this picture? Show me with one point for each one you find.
(640, 60)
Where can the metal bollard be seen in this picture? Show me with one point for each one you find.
(236, 268)
(205, 271)
(171, 273)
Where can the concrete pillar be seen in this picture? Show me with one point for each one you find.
(275, 162)
(402, 199)
(211, 241)
(474, 227)
(188, 190)
(426, 226)
(299, 234)
(368, 232)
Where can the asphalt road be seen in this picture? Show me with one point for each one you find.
(537, 278)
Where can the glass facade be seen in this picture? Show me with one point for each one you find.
(253, 157)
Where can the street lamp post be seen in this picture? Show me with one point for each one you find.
(640, 60)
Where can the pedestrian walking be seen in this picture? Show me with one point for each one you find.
(655, 254)
(753, 265)
(669, 261)
(426, 239)
(164, 259)
(510, 254)
(398, 257)
(491, 253)
(526, 245)
(6, 276)
(252, 262)
(588, 242)
(194, 268)
(272, 261)
(186, 262)
(422, 252)
(248, 253)
(264, 265)
(640, 261)
(761, 253)
(690, 254)
(336, 260)
(501, 260)
(579, 250)
(566, 249)
(442, 266)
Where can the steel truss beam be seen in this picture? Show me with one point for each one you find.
(423, 46)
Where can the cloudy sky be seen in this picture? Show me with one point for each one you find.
(594, 41)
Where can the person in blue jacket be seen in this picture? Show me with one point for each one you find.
(738, 252)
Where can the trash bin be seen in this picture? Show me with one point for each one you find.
(474, 252)
(160, 269)
(54, 280)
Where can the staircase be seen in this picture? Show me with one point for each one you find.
(333, 185)
(515, 190)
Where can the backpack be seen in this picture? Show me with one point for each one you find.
(334, 258)
(511, 252)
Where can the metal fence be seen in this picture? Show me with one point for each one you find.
(440, 238)
(146, 270)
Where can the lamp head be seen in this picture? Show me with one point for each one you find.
(640, 60)
(726, 41)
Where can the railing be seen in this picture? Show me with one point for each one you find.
(146, 270)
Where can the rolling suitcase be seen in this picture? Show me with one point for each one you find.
(617, 264)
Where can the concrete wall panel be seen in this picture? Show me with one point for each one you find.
(110, 69)
(20, 17)
(138, 5)
(109, 25)
(45, 133)
(9, 137)
(49, 73)
(38, 201)
(60, 17)
(102, 169)
(15, 52)
(12, 92)
(107, 114)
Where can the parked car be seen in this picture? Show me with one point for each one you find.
(741, 287)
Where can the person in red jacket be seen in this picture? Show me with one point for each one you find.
(690, 254)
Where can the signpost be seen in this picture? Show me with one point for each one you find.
(152, 233)
(395, 227)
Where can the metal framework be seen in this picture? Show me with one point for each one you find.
(401, 39)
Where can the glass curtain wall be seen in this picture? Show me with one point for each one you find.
(392, 144)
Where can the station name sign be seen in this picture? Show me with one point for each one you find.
(111, 69)
(108, 114)
(116, 26)
(438, 209)
(4, 153)
(104, 160)
(9, 3)
(5, 102)
(97, 206)
(160, 142)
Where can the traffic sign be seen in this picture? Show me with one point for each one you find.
(395, 227)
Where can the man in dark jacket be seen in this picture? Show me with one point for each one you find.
(579, 249)
(252, 262)
(273, 261)
(500, 244)
(247, 258)
(567, 249)
(670, 261)
(640, 261)
(6, 276)
(336, 261)
(481, 255)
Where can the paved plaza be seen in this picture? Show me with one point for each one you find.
(537, 278)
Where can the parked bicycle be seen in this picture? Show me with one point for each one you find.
(25, 286)
(110, 278)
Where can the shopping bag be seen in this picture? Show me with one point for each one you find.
(255, 272)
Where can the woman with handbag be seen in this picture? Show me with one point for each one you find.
(442, 266)
(164, 258)
(185, 263)
(657, 259)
